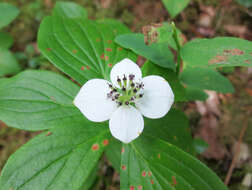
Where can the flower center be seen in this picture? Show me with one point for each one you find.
(128, 92)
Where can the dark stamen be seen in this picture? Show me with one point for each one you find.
(118, 79)
(117, 96)
(131, 77)
(128, 91)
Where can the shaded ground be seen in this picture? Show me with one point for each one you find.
(206, 18)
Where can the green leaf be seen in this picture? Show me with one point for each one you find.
(179, 91)
(246, 3)
(61, 159)
(8, 63)
(193, 94)
(6, 40)
(8, 13)
(209, 79)
(110, 29)
(36, 100)
(151, 163)
(174, 7)
(113, 153)
(173, 128)
(69, 10)
(200, 145)
(217, 52)
(164, 33)
(81, 48)
(158, 53)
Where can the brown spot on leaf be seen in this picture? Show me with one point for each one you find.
(146, 30)
(174, 181)
(82, 68)
(144, 174)
(106, 58)
(247, 61)
(102, 56)
(227, 51)
(217, 59)
(122, 151)
(48, 49)
(132, 187)
(175, 138)
(152, 181)
(149, 174)
(119, 49)
(95, 147)
(140, 187)
(88, 68)
(110, 65)
(233, 51)
(123, 167)
(74, 51)
(150, 33)
(98, 39)
(48, 133)
(108, 49)
(237, 52)
(105, 142)
(159, 156)
(109, 41)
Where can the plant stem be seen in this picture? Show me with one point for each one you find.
(175, 37)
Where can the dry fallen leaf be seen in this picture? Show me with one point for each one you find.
(211, 105)
(236, 30)
(208, 131)
(244, 154)
(106, 3)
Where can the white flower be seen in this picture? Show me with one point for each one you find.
(125, 99)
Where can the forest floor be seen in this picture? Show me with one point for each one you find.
(219, 121)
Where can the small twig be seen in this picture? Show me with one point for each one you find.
(176, 39)
(237, 151)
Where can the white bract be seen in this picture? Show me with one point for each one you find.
(125, 100)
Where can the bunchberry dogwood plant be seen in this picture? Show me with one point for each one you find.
(105, 100)
(11, 66)
(125, 99)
